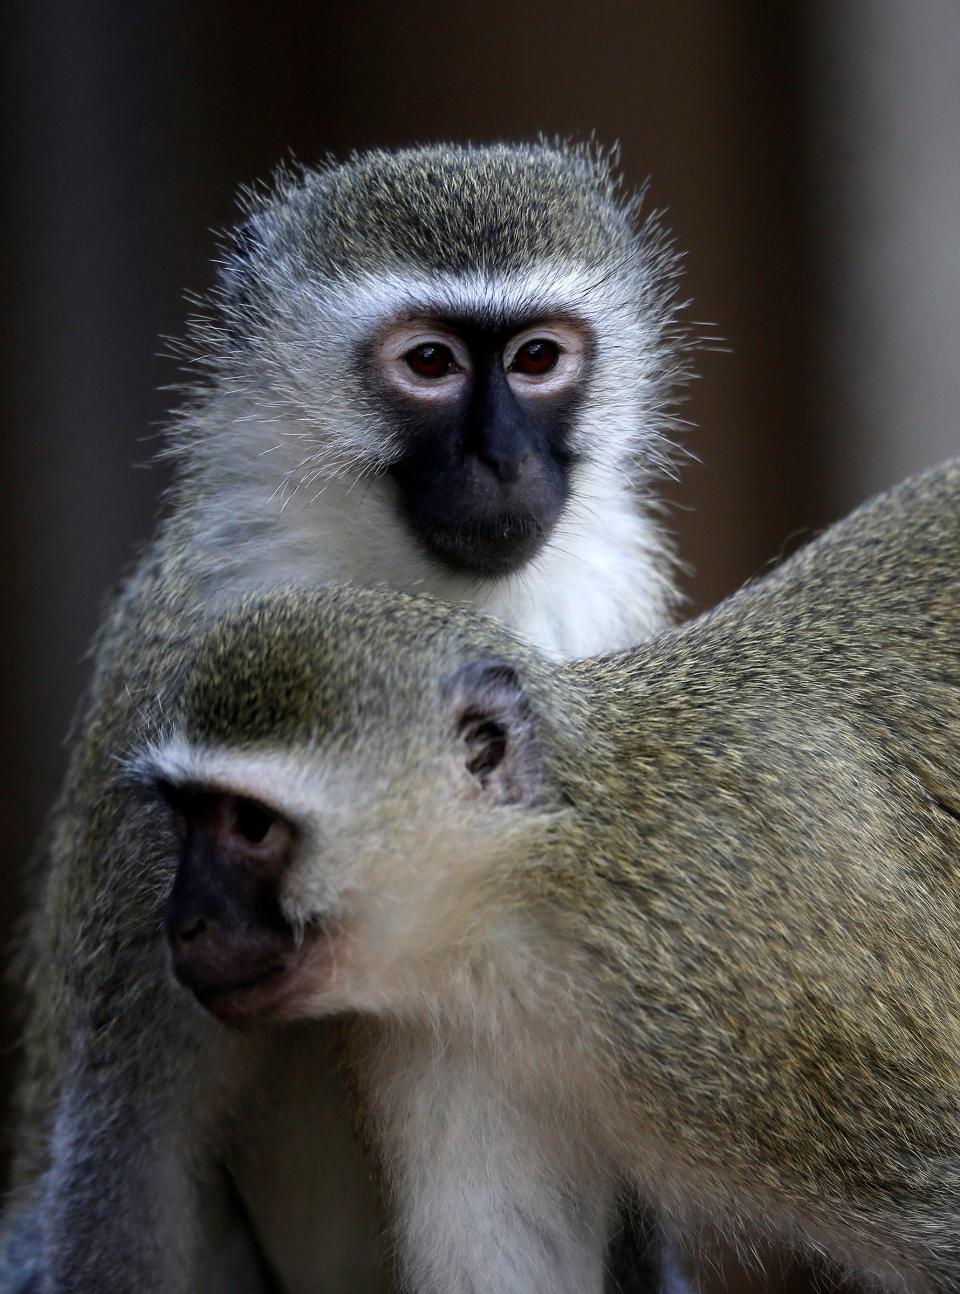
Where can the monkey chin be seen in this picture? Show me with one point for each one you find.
(490, 549)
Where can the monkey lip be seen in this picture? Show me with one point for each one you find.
(271, 991)
(493, 547)
(245, 1001)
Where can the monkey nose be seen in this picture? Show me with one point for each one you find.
(188, 932)
(507, 468)
(231, 830)
(226, 931)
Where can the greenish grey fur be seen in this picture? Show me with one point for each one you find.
(755, 846)
(379, 209)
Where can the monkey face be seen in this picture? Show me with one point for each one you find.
(449, 369)
(321, 875)
(484, 414)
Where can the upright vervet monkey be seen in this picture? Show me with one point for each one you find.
(445, 368)
(687, 916)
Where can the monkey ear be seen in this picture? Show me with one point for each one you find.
(495, 730)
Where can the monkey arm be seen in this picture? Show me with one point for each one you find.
(117, 1185)
(127, 1193)
(119, 1205)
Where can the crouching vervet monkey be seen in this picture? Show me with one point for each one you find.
(449, 369)
(687, 916)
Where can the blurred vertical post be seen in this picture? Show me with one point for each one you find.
(884, 97)
(87, 164)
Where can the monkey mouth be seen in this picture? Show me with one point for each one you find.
(254, 999)
(248, 993)
(490, 547)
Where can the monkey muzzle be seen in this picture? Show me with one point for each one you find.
(493, 547)
(483, 520)
(230, 943)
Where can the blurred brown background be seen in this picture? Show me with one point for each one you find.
(808, 155)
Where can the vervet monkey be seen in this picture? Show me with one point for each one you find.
(685, 917)
(449, 369)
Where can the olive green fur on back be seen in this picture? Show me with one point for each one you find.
(865, 618)
(783, 891)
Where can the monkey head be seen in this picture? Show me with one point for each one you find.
(474, 348)
(356, 783)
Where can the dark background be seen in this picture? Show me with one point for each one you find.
(807, 154)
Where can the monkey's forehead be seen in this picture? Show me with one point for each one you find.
(330, 664)
(455, 208)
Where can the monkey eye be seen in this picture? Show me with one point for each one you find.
(534, 358)
(431, 360)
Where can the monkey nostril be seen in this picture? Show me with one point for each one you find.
(506, 470)
(186, 934)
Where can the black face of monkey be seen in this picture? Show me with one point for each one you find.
(229, 941)
(485, 414)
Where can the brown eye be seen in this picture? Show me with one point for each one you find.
(430, 360)
(535, 358)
